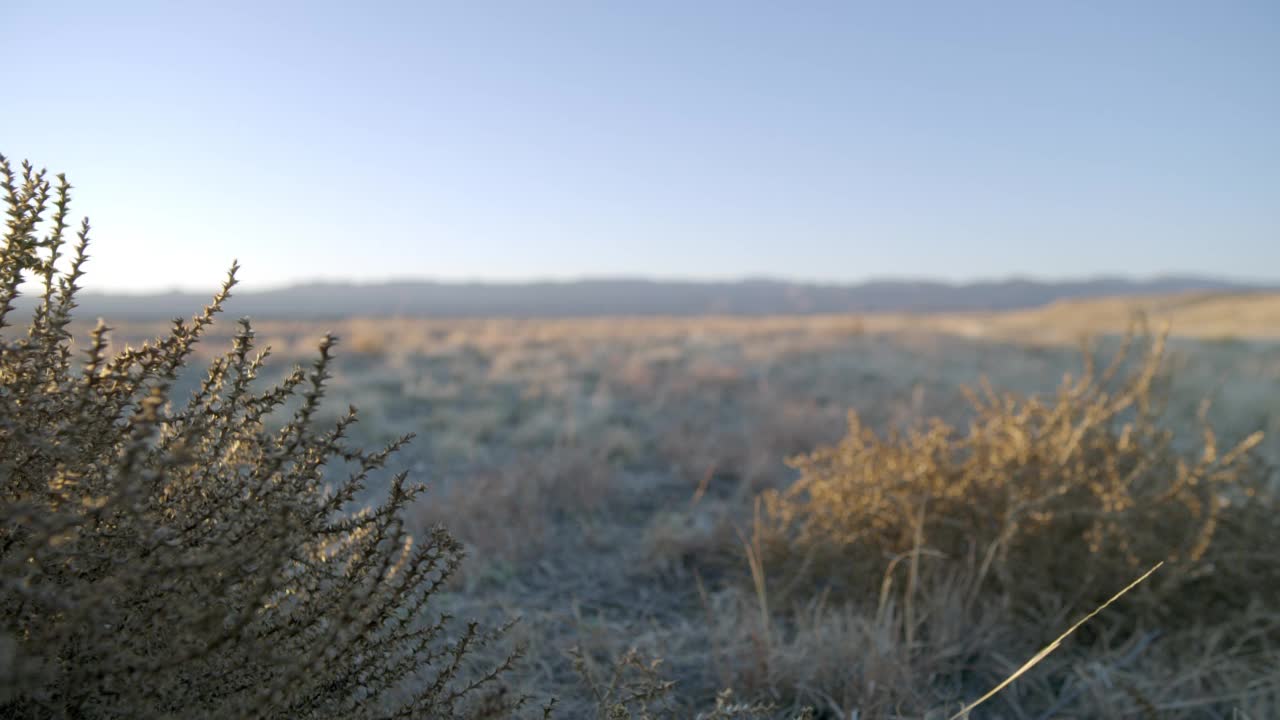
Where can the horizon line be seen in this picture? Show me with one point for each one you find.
(330, 281)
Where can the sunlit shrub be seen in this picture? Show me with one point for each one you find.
(176, 557)
(1071, 495)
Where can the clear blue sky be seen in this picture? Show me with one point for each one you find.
(819, 141)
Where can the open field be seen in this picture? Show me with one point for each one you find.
(481, 391)
(603, 474)
(1208, 316)
(640, 361)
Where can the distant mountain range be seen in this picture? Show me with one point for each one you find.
(636, 297)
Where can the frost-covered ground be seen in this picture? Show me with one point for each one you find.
(585, 462)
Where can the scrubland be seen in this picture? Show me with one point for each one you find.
(617, 481)
(830, 517)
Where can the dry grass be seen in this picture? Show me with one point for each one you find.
(1209, 316)
(1050, 496)
(621, 485)
(1212, 316)
(508, 514)
(604, 472)
(1035, 514)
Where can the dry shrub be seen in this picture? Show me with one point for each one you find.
(1072, 497)
(179, 559)
(1039, 511)
(369, 338)
(700, 536)
(746, 457)
(508, 512)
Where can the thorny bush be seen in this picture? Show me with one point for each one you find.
(167, 557)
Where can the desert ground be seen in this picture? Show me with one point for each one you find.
(604, 475)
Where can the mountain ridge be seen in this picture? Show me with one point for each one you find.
(641, 296)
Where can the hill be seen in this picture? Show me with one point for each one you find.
(635, 297)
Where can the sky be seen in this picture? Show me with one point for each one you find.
(829, 142)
